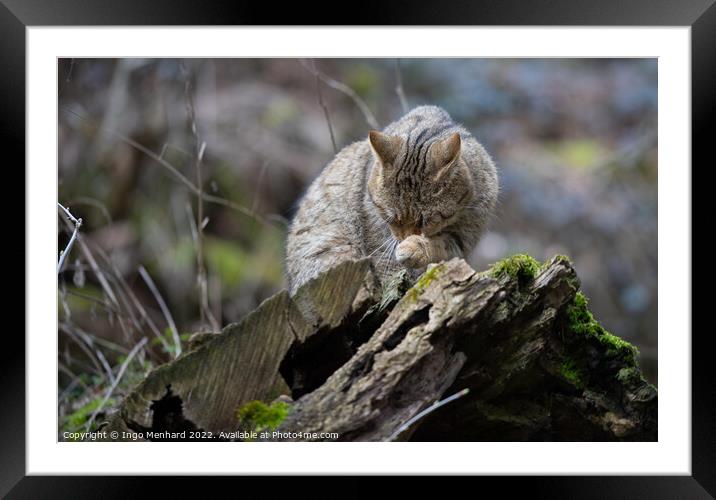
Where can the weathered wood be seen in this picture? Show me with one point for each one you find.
(220, 372)
(503, 339)
(519, 337)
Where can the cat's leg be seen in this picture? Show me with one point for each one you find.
(417, 251)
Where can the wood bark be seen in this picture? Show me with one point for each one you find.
(361, 362)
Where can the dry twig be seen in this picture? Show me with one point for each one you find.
(163, 306)
(262, 172)
(175, 172)
(342, 87)
(426, 412)
(399, 87)
(323, 106)
(112, 388)
(77, 223)
(205, 313)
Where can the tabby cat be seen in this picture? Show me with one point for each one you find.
(420, 191)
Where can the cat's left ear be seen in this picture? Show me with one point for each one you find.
(385, 147)
(444, 154)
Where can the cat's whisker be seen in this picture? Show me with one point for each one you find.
(384, 260)
(385, 254)
(387, 240)
(390, 254)
(392, 251)
(377, 248)
(381, 259)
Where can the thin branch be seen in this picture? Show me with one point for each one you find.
(174, 171)
(342, 87)
(124, 292)
(163, 306)
(218, 200)
(62, 290)
(130, 299)
(278, 219)
(83, 345)
(192, 222)
(262, 172)
(95, 300)
(111, 389)
(427, 411)
(95, 268)
(76, 380)
(321, 103)
(215, 294)
(105, 365)
(77, 223)
(399, 87)
(97, 340)
(93, 202)
(102, 278)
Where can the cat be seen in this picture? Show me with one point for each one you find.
(420, 191)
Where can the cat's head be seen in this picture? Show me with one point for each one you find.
(418, 189)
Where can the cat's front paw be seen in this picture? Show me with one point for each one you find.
(412, 252)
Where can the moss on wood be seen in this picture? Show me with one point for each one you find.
(582, 322)
(258, 416)
(521, 267)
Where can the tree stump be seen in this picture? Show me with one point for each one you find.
(355, 363)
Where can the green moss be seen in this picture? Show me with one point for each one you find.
(571, 373)
(78, 419)
(582, 322)
(563, 258)
(425, 279)
(520, 266)
(258, 416)
(629, 375)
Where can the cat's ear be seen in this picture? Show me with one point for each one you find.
(385, 147)
(444, 154)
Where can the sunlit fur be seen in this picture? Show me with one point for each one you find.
(420, 191)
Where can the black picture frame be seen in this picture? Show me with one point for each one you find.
(700, 15)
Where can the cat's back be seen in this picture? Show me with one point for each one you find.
(327, 227)
(329, 203)
(338, 180)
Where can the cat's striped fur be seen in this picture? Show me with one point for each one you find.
(421, 191)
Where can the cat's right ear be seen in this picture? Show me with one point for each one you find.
(385, 147)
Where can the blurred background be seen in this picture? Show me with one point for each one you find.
(141, 140)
